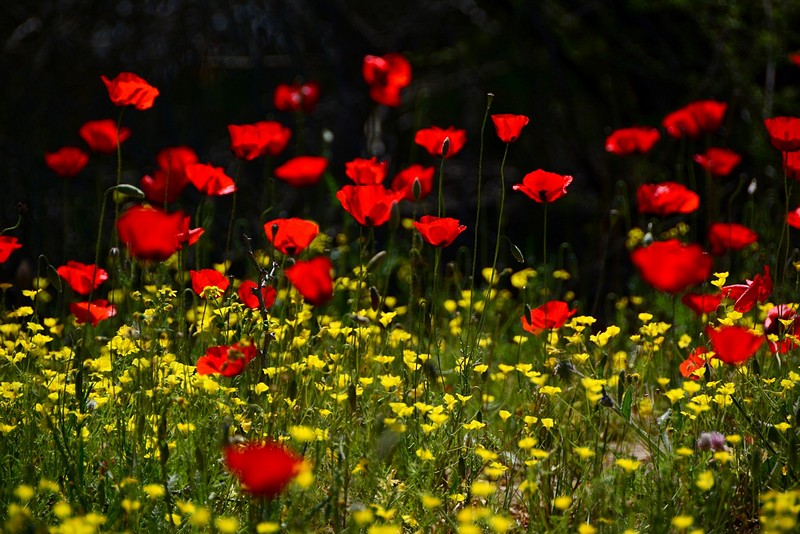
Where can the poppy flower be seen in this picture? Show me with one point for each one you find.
(250, 141)
(128, 89)
(791, 164)
(703, 116)
(296, 97)
(718, 161)
(366, 171)
(67, 161)
(432, 139)
(151, 234)
(205, 278)
(79, 276)
(746, 295)
(666, 198)
(370, 205)
(312, 279)
(734, 344)
(169, 180)
(291, 236)
(701, 303)
(793, 218)
(264, 469)
(92, 312)
(550, 315)
(226, 360)
(784, 133)
(508, 126)
(543, 186)
(210, 180)
(794, 57)
(694, 362)
(671, 266)
(439, 231)
(248, 294)
(385, 76)
(626, 141)
(302, 170)
(782, 321)
(8, 244)
(189, 235)
(729, 236)
(403, 182)
(101, 135)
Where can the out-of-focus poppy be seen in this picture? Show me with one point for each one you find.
(151, 234)
(205, 278)
(296, 97)
(702, 116)
(226, 360)
(701, 303)
(264, 469)
(671, 266)
(791, 164)
(734, 344)
(210, 180)
(366, 171)
(250, 141)
(101, 135)
(8, 244)
(291, 236)
(92, 312)
(312, 279)
(67, 161)
(746, 295)
(432, 139)
(723, 237)
(508, 126)
(370, 205)
(302, 170)
(187, 234)
(694, 362)
(128, 89)
(248, 294)
(718, 161)
(385, 76)
(543, 186)
(794, 57)
(626, 141)
(79, 276)
(550, 315)
(666, 198)
(403, 182)
(784, 133)
(439, 231)
(169, 180)
(793, 218)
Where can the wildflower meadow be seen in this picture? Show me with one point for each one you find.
(216, 362)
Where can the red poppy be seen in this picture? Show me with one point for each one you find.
(151, 234)
(626, 141)
(8, 244)
(312, 279)
(205, 278)
(385, 76)
(439, 231)
(551, 315)
(729, 236)
(703, 116)
(248, 293)
(718, 161)
(296, 97)
(291, 236)
(366, 171)
(671, 266)
(791, 164)
(250, 141)
(543, 186)
(784, 133)
(746, 295)
(508, 127)
(66, 161)
(264, 469)
(92, 312)
(734, 344)
(370, 205)
(701, 303)
(666, 198)
(79, 276)
(169, 180)
(189, 235)
(101, 135)
(403, 182)
(793, 218)
(226, 360)
(794, 57)
(128, 89)
(432, 139)
(694, 362)
(302, 170)
(782, 321)
(210, 180)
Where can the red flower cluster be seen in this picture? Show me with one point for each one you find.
(128, 89)
(302, 170)
(296, 97)
(205, 278)
(226, 360)
(439, 231)
(626, 141)
(8, 244)
(703, 116)
(550, 315)
(92, 312)
(312, 279)
(151, 234)
(718, 161)
(729, 236)
(433, 140)
(366, 171)
(543, 186)
(694, 362)
(385, 76)
(666, 198)
(508, 127)
(784, 133)
(671, 266)
(734, 344)
(264, 469)
(746, 295)
(291, 236)
(102, 135)
(67, 161)
(82, 277)
(210, 180)
(403, 182)
(250, 141)
(248, 293)
(370, 205)
(169, 180)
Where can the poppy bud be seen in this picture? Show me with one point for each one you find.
(517, 253)
(529, 314)
(445, 146)
(374, 298)
(394, 217)
(489, 98)
(416, 189)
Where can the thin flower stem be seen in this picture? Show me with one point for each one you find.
(544, 253)
(440, 212)
(119, 170)
(231, 220)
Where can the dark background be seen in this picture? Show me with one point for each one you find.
(579, 69)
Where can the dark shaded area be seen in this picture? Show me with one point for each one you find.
(578, 68)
